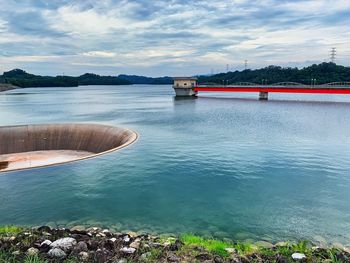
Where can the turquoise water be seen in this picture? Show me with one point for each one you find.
(216, 165)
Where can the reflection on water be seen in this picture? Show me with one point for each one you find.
(215, 165)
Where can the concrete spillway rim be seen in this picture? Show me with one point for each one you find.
(136, 136)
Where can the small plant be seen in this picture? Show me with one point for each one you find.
(301, 247)
(333, 256)
(10, 230)
(33, 259)
(7, 257)
(216, 247)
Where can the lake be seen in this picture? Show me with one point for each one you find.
(227, 166)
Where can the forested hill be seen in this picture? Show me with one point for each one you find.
(134, 79)
(23, 79)
(323, 73)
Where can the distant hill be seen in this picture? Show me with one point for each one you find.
(23, 79)
(323, 73)
(134, 79)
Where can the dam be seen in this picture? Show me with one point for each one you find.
(188, 87)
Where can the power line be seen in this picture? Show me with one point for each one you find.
(333, 54)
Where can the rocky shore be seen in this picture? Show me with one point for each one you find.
(5, 87)
(79, 244)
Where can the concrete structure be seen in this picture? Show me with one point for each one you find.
(184, 86)
(263, 95)
(29, 146)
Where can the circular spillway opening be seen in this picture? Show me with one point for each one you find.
(29, 146)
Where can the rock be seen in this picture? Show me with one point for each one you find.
(92, 244)
(45, 243)
(84, 256)
(218, 259)
(146, 256)
(126, 239)
(101, 255)
(231, 250)
(123, 260)
(135, 244)
(176, 246)
(298, 256)
(281, 244)
(341, 257)
(203, 257)
(56, 253)
(16, 253)
(106, 232)
(113, 239)
(65, 243)
(132, 234)
(46, 229)
(101, 235)
(264, 244)
(32, 252)
(78, 228)
(173, 258)
(338, 245)
(80, 247)
(128, 250)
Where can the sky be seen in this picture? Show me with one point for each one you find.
(169, 37)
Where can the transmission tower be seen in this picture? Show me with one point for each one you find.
(333, 54)
(245, 64)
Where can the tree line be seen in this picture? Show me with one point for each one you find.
(315, 74)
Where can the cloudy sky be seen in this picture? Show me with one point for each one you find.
(169, 37)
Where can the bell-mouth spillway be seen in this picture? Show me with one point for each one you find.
(29, 146)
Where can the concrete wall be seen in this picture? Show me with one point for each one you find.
(184, 83)
(84, 137)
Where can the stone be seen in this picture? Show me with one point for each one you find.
(32, 251)
(146, 256)
(128, 250)
(132, 234)
(84, 256)
(101, 255)
(341, 257)
(81, 247)
(113, 239)
(281, 244)
(45, 243)
(176, 246)
(218, 259)
(16, 253)
(78, 228)
(123, 260)
(56, 253)
(126, 239)
(44, 229)
(203, 257)
(231, 250)
(298, 256)
(173, 258)
(264, 244)
(101, 235)
(135, 244)
(65, 243)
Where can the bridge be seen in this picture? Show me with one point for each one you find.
(189, 87)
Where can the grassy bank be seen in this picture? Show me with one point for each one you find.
(19, 244)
